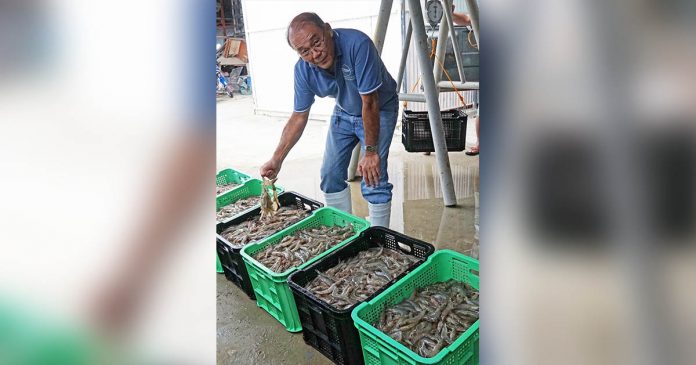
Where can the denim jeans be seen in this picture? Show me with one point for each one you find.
(345, 132)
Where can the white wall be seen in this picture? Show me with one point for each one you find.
(271, 60)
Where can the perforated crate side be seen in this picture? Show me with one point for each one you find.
(231, 176)
(327, 329)
(271, 289)
(417, 135)
(379, 348)
(252, 187)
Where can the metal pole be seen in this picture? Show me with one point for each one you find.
(404, 56)
(431, 97)
(404, 21)
(471, 85)
(440, 49)
(472, 6)
(380, 31)
(234, 19)
(455, 41)
(353, 166)
(222, 20)
(382, 23)
(418, 98)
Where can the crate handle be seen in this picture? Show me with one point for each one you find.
(405, 247)
(465, 263)
(474, 272)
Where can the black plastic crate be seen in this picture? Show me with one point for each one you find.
(231, 257)
(417, 136)
(469, 56)
(327, 329)
(234, 269)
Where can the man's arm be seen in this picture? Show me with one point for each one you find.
(370, 114)
(461, 19)
(291, 134)
(170, 205)
(369, 165)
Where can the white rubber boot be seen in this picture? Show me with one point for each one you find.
(379, 214)
(340, 200)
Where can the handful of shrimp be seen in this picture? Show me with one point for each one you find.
(269, 200)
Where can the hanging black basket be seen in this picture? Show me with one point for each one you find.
(417, 137)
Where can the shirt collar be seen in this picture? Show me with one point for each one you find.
(337, 49)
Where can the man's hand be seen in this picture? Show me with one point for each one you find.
(270, 169)
(369, 168)
(460, 18)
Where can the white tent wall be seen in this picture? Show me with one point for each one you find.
(271, 60)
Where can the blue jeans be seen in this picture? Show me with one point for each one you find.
(345, 132)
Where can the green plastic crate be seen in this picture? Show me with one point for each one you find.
(218, 265)
(380, 349)
(223, 177)
(272, 291)
(252, 187)
(230, 176)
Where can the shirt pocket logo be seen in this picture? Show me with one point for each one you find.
(347, 73)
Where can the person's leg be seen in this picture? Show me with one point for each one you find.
(340, 141)
(379, 197)
(474, 150)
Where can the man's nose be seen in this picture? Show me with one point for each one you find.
(316, 53)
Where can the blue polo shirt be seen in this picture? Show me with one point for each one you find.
(358, 69)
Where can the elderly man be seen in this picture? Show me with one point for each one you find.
(343, 64)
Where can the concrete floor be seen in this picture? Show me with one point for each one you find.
(246, 333)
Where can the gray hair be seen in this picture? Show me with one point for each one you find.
(302, 18)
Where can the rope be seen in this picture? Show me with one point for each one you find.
(433, 44)
(461, 98)
(468, 38)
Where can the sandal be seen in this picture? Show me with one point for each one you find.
(474, 151)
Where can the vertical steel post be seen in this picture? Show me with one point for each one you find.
(382, 23)
(473, 9)
(455, 40)
(440, 49)
(404, 56)
(431, 97)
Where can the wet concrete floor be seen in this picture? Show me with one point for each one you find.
(246, 334)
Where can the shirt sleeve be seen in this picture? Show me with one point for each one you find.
(304, 97)
(368, 67)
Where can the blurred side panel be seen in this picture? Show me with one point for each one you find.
(107, 157)
(588, 182)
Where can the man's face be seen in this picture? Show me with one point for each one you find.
(314, 44)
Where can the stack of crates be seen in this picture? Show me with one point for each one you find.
(230, 256)
(223, 177)
(271, 289)
(330, 330)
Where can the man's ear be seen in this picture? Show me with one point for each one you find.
(327, 26)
